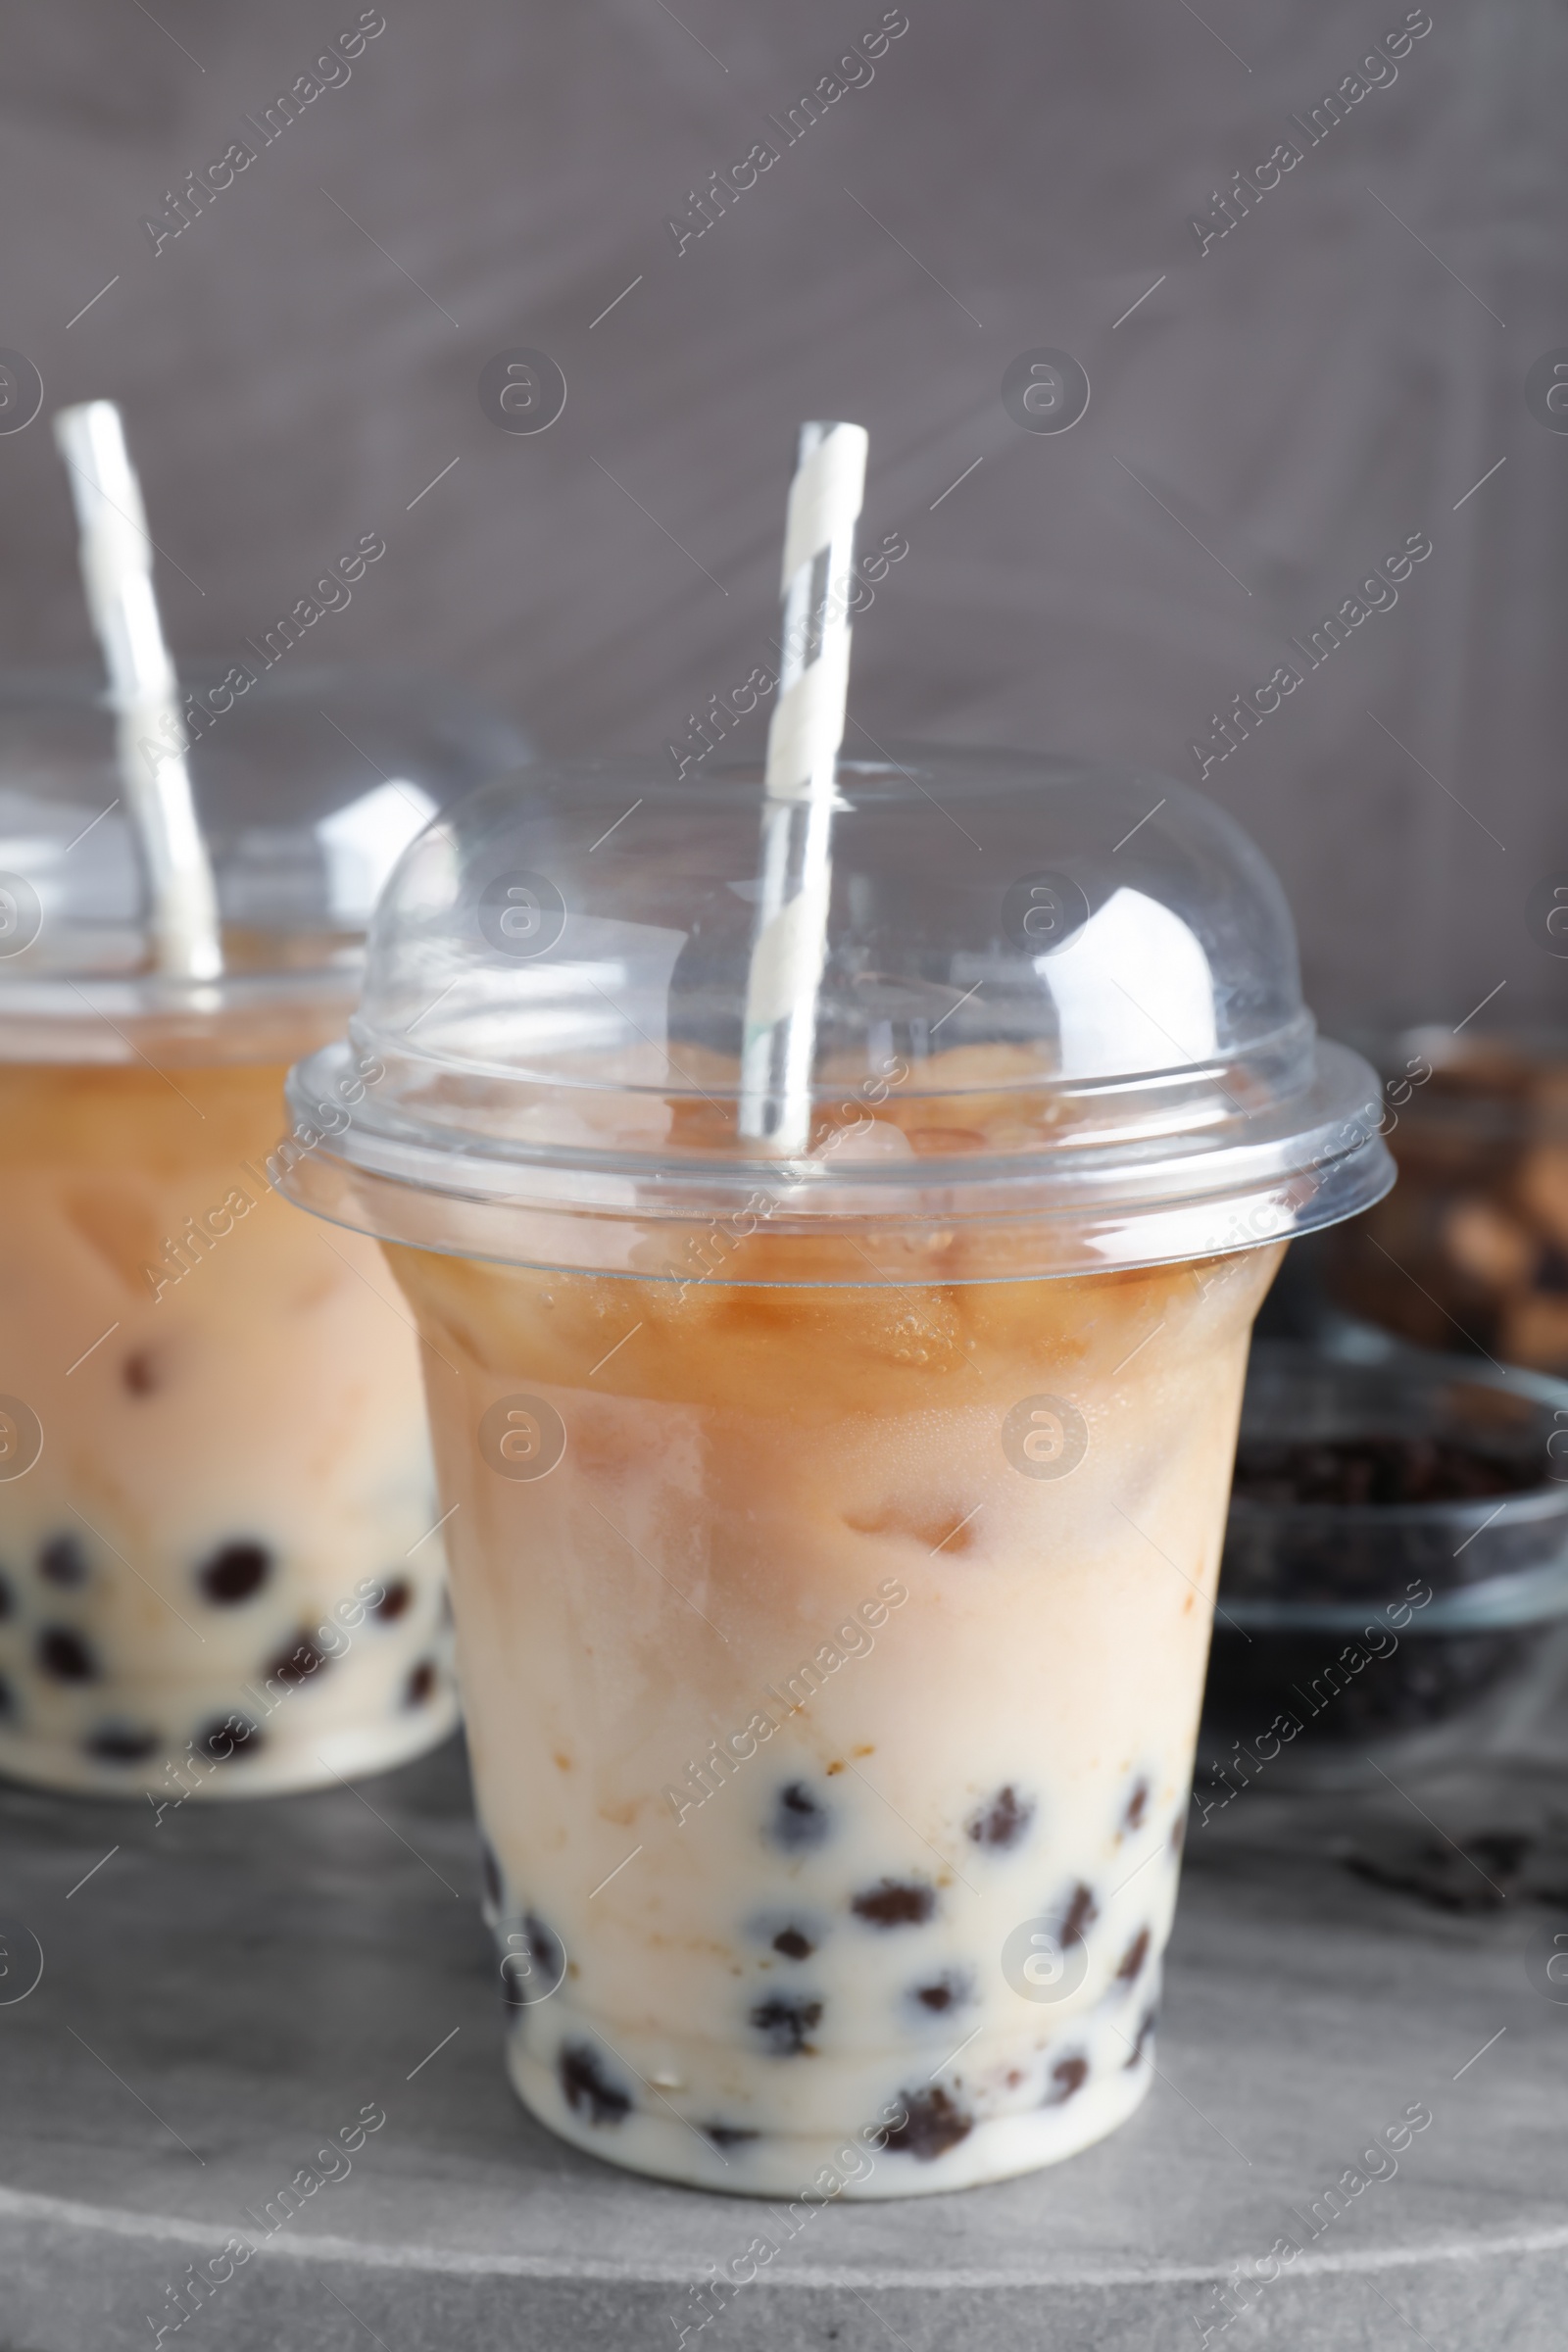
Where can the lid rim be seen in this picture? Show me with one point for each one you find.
(1299, 1032)
(1264, 1186)
(554, 1239)
(389, 1146)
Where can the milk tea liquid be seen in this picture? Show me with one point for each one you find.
(832, 1739)
(212, 1579)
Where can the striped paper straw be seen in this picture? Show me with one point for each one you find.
(802, 746)
(117, 572)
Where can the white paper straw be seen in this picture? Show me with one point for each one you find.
(802, 746)
(117, 572)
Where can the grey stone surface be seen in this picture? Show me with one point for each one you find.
(230, 1986)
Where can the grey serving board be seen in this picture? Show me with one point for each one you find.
(230, 1988)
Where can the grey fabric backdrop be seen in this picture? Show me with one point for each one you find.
(1285, 409)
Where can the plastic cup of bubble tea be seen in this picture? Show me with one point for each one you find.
(834, 1531)
(217, 1575)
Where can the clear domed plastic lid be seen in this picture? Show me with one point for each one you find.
(1055, 996)
(309, 785)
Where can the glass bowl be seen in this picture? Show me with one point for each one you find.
(1376, 1633)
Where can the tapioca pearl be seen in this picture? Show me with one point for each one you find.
(122, 1743)
(799, 1820)
(933, 2123)
(1079, 1914)
(65, 1655)
(587, 2088)
(143, 1372)
(1146, 2027)
(786, 2024)
(228, 1738)
(235, 1573)
(8, 1600)
(794, 1934)
(1178, 1834)
(419, 1689)
(544, 1947)
(8, 1698)
(1132, 1960)
(728, 2135)
(533, 1961)
(63, 1561)
(1067, 2078)
(1003, 1821)
(943, 1994)
(297, 1661)
(895, 1903)
(1136, 1806)
(396, 1595)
